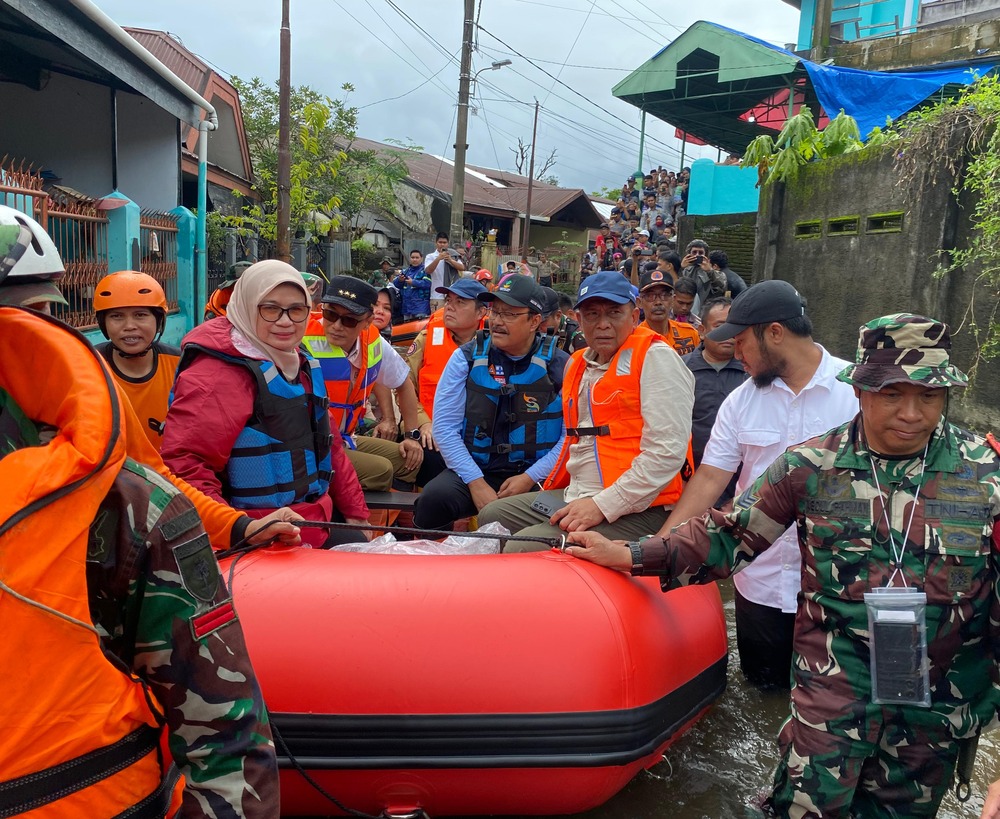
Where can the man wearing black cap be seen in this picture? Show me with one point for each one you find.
(354, 359)
(497, 414)
(793, 395)
(627, 408)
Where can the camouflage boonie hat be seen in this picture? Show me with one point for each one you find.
(14, 240)
(235, 271)
(903, 348)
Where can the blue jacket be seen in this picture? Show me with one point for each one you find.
(416, 294)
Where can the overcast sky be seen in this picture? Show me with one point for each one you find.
(589, 45)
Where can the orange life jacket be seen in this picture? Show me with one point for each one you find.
(438, 347)
(61, 700)
(616, 415)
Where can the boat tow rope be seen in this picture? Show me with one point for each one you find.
(245, 545)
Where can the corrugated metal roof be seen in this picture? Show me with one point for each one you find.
(486, 188)
(174, 56)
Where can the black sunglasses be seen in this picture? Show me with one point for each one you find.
(349, 322)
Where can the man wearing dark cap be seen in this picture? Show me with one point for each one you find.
(895, 665)
(355, 359)
(497, 412)
(627, 407)
(793, 395)
(656, 295)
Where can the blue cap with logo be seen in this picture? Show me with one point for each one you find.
(463, 288)
(608, 284)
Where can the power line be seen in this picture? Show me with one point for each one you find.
(571, 48)
(407, 93)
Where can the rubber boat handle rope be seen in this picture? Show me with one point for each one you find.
(244, 545)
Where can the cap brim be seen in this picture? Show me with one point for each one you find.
(875, 377)
(506, 298)
(353, 306)
(612, 297)
(19, 295)
(727, 331)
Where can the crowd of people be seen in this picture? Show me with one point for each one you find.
(667, 420)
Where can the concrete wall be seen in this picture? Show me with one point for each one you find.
(66, 128)
(857, 246)
(929, 46)
(870, 19)
(958, 11)
(721, 189)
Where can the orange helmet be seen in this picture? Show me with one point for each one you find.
(483, 275)
(130, 288)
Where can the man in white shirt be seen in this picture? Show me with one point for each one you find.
(793, 395)
(627, 401)
(444, 267)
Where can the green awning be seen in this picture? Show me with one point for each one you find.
(710, 77)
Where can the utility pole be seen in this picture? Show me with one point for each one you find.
(531, 178)
(456, 231)
(284, 136)
(821, 31)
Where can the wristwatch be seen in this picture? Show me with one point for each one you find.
(413, 434)
(635, 547)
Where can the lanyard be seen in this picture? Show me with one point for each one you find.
(898, 550)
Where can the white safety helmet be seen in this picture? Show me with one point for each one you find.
(40, 259)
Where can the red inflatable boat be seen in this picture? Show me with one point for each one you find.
(502, 684)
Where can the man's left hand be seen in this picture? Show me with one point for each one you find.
(578, 515)
(386, 428)
(596, 548)
(411, 452)
(515, 485)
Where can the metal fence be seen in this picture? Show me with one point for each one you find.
(80, 233)
(158, 251)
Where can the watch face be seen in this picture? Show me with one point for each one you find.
(414, 434)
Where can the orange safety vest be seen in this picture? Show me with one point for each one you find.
(347, 395)
(616, 413)
(61, 699)
(438, 348)
(683, 337)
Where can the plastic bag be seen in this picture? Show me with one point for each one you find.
(455, 544)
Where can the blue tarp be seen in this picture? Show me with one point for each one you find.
(871, 96)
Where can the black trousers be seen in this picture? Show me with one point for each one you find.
(447, 498)
(764, 640)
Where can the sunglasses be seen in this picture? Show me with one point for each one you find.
(348, 322)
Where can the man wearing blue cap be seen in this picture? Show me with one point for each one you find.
(627, 402)
(497, 415)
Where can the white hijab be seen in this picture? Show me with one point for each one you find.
(250, 290)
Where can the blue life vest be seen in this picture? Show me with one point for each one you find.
(509, 426)
(282, 455)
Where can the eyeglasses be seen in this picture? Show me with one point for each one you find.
(348, 322)
(658, 296)
(507, 315)
(273, 312)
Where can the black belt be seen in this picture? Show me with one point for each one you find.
(579, 432)
(34, 790)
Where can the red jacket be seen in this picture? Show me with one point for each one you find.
(212, 402)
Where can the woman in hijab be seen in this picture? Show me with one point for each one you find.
(248, 424)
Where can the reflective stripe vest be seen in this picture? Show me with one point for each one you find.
(509, 426)
(282, 455)
(616, 415)
(347, 393)
(79, 735)
(438, 348)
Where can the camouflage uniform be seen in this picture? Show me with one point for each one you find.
(839, 751)
(156, 597)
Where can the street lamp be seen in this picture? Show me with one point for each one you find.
(456, 229)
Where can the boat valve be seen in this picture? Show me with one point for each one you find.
(404, 813)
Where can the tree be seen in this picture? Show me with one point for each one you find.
(800, 142)
(331, 180)
(522, 160)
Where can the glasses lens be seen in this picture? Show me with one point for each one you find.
(347, 321)
(272, 312)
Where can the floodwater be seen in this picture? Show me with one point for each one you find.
(720, 765)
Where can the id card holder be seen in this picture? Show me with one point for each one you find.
(897, 631)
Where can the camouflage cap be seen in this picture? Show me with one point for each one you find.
(14, 240)
(235, 271)
(903, 348)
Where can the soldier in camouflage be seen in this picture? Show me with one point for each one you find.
(897, 497)
(157, 601)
